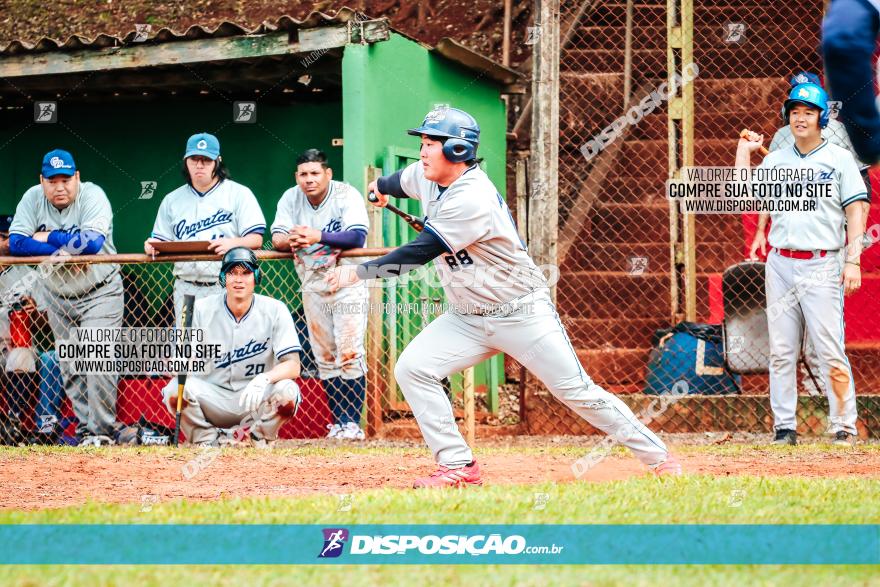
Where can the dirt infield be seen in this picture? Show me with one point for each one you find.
(39, 479)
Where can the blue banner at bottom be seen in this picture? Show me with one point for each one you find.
(439, 544)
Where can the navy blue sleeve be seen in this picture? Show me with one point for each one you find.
(345, 239)
(86, 242)
(25, 246)
(390, 185)
(412, 255)
(849, 37)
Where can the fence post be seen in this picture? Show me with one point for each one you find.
(544, 172)
(375, 381)
(679, 53)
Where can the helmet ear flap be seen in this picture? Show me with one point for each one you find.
(458, 150)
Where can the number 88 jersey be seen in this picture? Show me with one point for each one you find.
(486, 262)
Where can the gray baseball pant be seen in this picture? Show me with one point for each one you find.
(807, 292)
(207, 408)
(534, 336)
(93, 395)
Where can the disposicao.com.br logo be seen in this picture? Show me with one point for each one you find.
(394, 544)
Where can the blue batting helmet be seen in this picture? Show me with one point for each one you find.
(459, 129)
(811, 95)
(240, 256)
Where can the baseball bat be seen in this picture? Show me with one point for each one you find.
(186, 321)
(744, 133)
(417, 224)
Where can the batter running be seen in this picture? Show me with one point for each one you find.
(499, 302)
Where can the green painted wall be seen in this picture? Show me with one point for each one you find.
(390, 86)
(119, 144)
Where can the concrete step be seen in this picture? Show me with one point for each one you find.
(613, 366)
(724, 106)
(697, 413)
(596, 333)
(654, 37)
(621, 223)
(627, 257)
(613, 295)
(808, 16)
(644, 160)
(727, 62)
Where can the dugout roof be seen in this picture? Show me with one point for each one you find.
(228, 57)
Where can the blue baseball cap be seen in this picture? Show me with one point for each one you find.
(58, 162)
(204, 145)
(5, 222)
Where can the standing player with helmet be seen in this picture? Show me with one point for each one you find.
(836, 134)
(809, 261)
(252, 381)
(833, 130)
(849, 40)
(65, 216)
(317, 219)
(209, 207)
(470, 233)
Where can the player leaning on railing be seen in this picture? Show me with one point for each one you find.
(317, 219)
(208, 207)
(64, 216)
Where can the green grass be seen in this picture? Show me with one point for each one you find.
(417, 575)
(639, 500)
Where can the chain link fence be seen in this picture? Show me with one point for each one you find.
(623, 254)
(48, 379)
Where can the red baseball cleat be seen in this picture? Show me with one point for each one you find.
(669, 467)
(446, 477)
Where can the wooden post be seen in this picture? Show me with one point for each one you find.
(682, 228)
(522, 199)
(505, 38)
(544, 172)
(375, 380)
(469, 419)
(627, 55)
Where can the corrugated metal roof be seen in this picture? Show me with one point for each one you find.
(447, 47)
(166, 35)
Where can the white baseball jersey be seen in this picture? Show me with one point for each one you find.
(229, 210)
(249, 347)
(822, 228)
(343, 208)
(835, 132)
(90, 210)
(486, 263)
